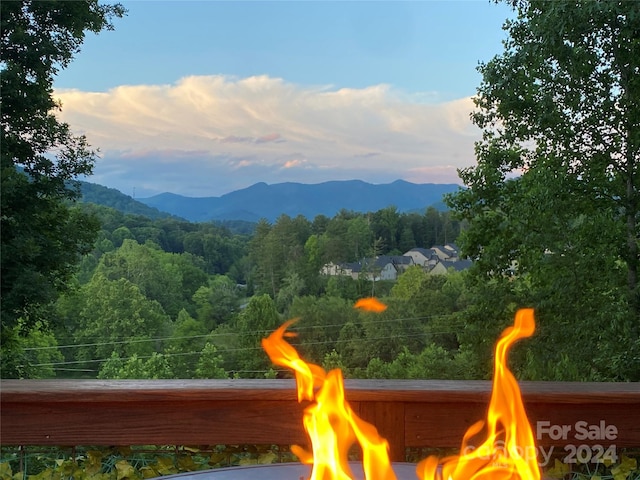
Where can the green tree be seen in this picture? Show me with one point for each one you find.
(292, 287)
(43, 237)
(116, 316)
(334, 240)
(349, 345)
(210, 363)
(39, 356)
(267, 266)
(278, 251)
(169, 278)
(433, 228)
(135, 367)
(259, 318)
(407, 240)
(120, 234)
(555, 191)
(321, 320)
(433, 362)
(417, 224)
(42, 354)
(188, 339)
(311, 265)
(359, 237)
(333, 360)
(384, 225)
(319, 224)
(409, 285)
(389, 332)
(216, 302)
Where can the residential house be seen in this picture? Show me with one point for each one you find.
(425, 257)
(353, 269)
(334, 269)
(385, 267)
(442, 268)
(437, 260)
(429, 257)
(446, 252)
(390, 266)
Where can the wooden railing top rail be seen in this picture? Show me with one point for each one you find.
(409, 413)
(423, 391)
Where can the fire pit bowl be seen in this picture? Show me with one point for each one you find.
(283, 471)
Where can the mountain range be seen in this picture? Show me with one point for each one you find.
(328, 198)
(270, 201)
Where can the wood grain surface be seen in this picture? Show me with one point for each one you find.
(420, 413)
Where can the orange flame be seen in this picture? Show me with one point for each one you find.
(329, 421)
(508, 453)
(509, 450)
(371, 304)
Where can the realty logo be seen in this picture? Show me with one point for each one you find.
(579, 431)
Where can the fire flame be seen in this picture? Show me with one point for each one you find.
(509, 450)
(370, 304)
(331, 424)
(508, 453)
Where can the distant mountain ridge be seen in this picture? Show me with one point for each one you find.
(270, 201)
(110, 197)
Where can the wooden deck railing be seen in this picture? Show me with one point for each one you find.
(209, 412)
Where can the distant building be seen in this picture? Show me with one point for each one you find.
(389, 267)
(442, 268)
(438, 259)
(384, 267)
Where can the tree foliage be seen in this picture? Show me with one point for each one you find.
(172, 278)
(42, 236)
(217, 301)
(554, 195)
(254, 323)
(115, 316)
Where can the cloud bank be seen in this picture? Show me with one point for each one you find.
(209, 135)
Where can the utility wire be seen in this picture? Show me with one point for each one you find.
(299, 328)
(241, 349)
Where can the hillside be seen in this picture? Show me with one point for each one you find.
(110, 197)
(328, 198)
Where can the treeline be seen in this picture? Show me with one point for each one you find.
(166, 298)
(289, 254)
(227, 246)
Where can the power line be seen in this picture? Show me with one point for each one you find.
(215, 335)
(118, 342)
(240, 349)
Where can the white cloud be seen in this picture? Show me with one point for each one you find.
(241, 131)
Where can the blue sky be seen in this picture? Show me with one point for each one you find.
(202, 98)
